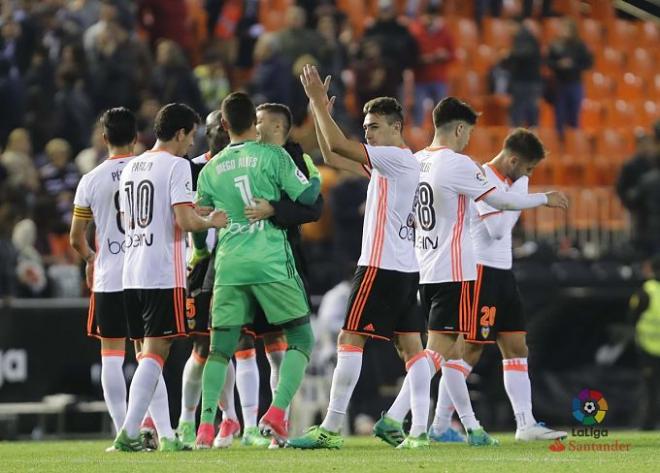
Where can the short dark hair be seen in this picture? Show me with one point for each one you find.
(452, 109)
(525, 145)
(279, 109)
(388, 107)
(174, 117)
(239, 112)
(119, 126)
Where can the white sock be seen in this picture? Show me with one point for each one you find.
(454, 372)
(275, 355)
(519, 390)
(114, 385)
(419, 374)
(159, 410)
(401, 405)
(247, 382)
(142, 390)
(444, 408)
(191, 387)
(344, 379)
(226, 402)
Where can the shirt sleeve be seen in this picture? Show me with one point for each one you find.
(181, 191)
(290, 179)
(389, 160)
(82, 202)
(469, 179)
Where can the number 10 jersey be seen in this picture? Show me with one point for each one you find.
(150, 186)
(97, 198)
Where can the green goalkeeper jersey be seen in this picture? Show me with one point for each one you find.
(259, 252)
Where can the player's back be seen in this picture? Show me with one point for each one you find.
(448, 180)
(98, 191)
(151, 185)
(259, 252)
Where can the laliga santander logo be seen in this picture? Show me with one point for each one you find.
(589, 407)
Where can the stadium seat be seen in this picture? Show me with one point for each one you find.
(464, 31)
(648, 113)
(577, 144)
(640, 62)
(497, 33)
(483, 59)
(591, 115)
(272, 13)
(649, 34)
(495, 110)
(619, 114)
(609, 61)
(469, 86)
(551, 142)
(480, 148)
(598, 86)
(614, 145)
(591, 32)
(357, 14)
(498, 135)
(546, 115)
(622, 34)
(461, 63)
(551, 28)
(655, 87)
(631, 87)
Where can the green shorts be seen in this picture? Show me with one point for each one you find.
(281, 301)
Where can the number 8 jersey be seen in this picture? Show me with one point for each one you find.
(151, 185)
(97, 198)
(447, 182)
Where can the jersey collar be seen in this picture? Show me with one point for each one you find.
(499, 175)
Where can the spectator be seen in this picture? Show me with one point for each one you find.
(17, 160)
(645, 314)
(59, 177)
(272, 78)
(568, 57)
(436, 51)
(74, 115)
(296, 40)
(172, 80)
(11, 98)
(14, 46)
(524, 65)
(375, 76)
(347, 201)
(645, 196)
(91, 157)
(213, 81)
(165, 19)
(30, 273)
(107, 21)
(629, 178)
(7, 252)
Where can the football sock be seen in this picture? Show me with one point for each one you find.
(223, 346)
(275, 354)
(420, 375)
(519, 390)
(444, 408)
(191, 386)
(301, 342)
(247, 383)
(159, 410)
(114, 385)
(344, 379)
(401, 405)
(142, 390)
(455, 372)
(227, 403)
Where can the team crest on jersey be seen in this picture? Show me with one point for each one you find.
(485, 331)
(188, 186)
(481, 177)
(301, 177)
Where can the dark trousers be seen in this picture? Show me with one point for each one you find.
(567, 105)
(650, 366)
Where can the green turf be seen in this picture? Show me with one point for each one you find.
(360, 454)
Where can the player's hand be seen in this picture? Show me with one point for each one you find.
(198, 255)
(218, 219)
(557, 199)
(313, 85)
(89, 270)
(203, 211)
(261, 210)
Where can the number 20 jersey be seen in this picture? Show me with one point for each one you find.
(151, 185)
(97, 197)
(447, 182)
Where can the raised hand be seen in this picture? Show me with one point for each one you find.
(557, 199)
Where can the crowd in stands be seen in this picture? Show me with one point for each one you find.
(62, 62)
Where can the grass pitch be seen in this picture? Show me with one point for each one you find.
(360, 454)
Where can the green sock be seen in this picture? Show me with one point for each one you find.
(292, 372)
(213, 379)
(301, 342)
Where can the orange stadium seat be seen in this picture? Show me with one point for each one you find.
(591, 32)
(551, 142)
(648, 112)
(599, 10)
(546, 115)
(622, 34)
(641, 62)
(465, 32)
(598, 86)
(272, 13)
(591, 115)
(356, 12)
(462, 61)
(459, 8)
(551, 28)
(631, 87)
(649, 34)
(497, 33)
(614, 145)
(483, 59)
(470, 85)
(417, 137)
(498, 135)
(655, 87)
(609, 61)
(619, 114)
(577, 144)
(480, 148)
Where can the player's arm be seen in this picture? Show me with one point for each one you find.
(82, 217)
(333, 159)
(637, 305)
(336, 141)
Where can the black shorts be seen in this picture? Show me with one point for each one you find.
(497, 305)
(107, 317)
(198, 301)
(448, 305)
(382, 303)
(160, 311)
(260, 325)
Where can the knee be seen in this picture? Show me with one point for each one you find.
(300, 338)
(245, 342)
(348, 338)
(201, 346)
